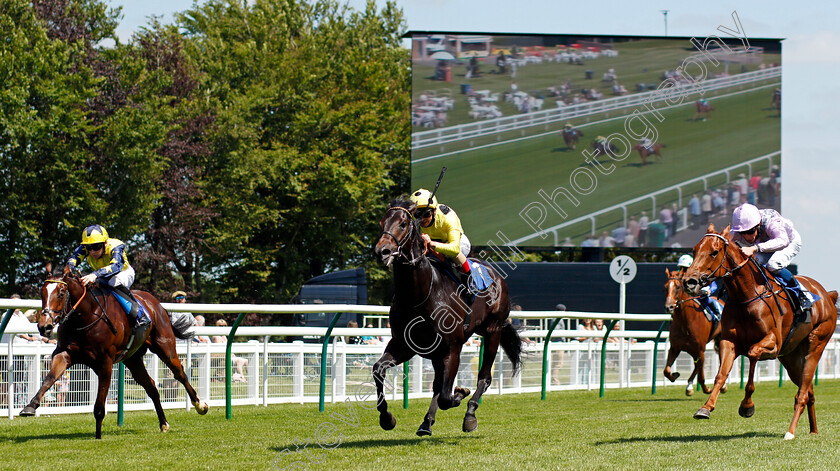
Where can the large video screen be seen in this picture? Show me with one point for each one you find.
(557, 140)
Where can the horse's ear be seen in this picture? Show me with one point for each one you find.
(710, 229)
(48, 269)
(725, 232)
(667, 273)
(412, 207)
(67, 270)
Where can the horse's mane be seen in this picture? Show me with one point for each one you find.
(400, 202)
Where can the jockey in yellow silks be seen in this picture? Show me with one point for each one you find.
(109, 261)
(442, 229)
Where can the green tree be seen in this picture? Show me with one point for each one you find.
(312, 126)
(74, 148)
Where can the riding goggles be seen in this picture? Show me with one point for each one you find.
(423, 213)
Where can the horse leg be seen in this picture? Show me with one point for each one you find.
(689, 388)
(673, 353)
(449, 398)
(104, 375)
(426, 427)
(747, 407)
(765, 349)
(60, 363)
(391, 357)
(138, 371)
(170, 357)
(727, 359)
(485, 377)
(801, 368)
(699, 363)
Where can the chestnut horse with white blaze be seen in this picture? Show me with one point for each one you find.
(759, 323)
(93, 330)
(690, 331)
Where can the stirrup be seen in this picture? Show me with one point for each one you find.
(804, 302)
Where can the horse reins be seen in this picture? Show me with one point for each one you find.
(66, 313)
(680, 302)
(406, 238)
(729, 271)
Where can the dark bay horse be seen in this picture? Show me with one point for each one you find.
(571, 136)
(690, 331)
(644, 152)
(704, 110)
(429, 317)
(606, 148)
(758, 322)
(776, 101)
(94, 331)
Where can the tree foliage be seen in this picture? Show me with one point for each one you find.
(239, 151)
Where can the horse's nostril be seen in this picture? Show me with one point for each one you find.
(385, 253)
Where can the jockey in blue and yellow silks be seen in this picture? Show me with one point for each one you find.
(108, 259)
(442, 229)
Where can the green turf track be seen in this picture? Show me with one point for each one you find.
(638, 62)
(627, 429)
(489, 186)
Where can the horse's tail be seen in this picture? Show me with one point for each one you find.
(512, 345)
(833, 296)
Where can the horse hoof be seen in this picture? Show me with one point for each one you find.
(464, 392)
(27, 411)
(201, 407)
(724, 389)
(470, 424)
(789, 436)
(689, 391)
(164, 428)
(746, 411)
(706, 389)
(702, 413)
(424, 432)
(673, 377)
(388, 422)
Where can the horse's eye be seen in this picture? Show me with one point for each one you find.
(403, 224)
(714, 253)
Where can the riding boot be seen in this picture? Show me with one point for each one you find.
(134, 317)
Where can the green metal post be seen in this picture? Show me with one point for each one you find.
(5, 320)
(481, 359)
(781, 374)
(742, 372)
(228, 386)
(817, 376)
(121, 397)
(545, 356)
(324, 362)
(655, 352)
(405, 385)
(604, 355)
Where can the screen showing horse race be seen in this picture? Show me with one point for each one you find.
(595, 141)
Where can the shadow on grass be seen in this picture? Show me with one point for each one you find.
(67, 436)
(653, 399)
(375, 443)
(688, 438)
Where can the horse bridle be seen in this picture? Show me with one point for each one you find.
(680, 302)
(58, 316)
(704, 280)
(406, 237)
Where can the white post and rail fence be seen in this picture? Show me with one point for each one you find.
(271, 372)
